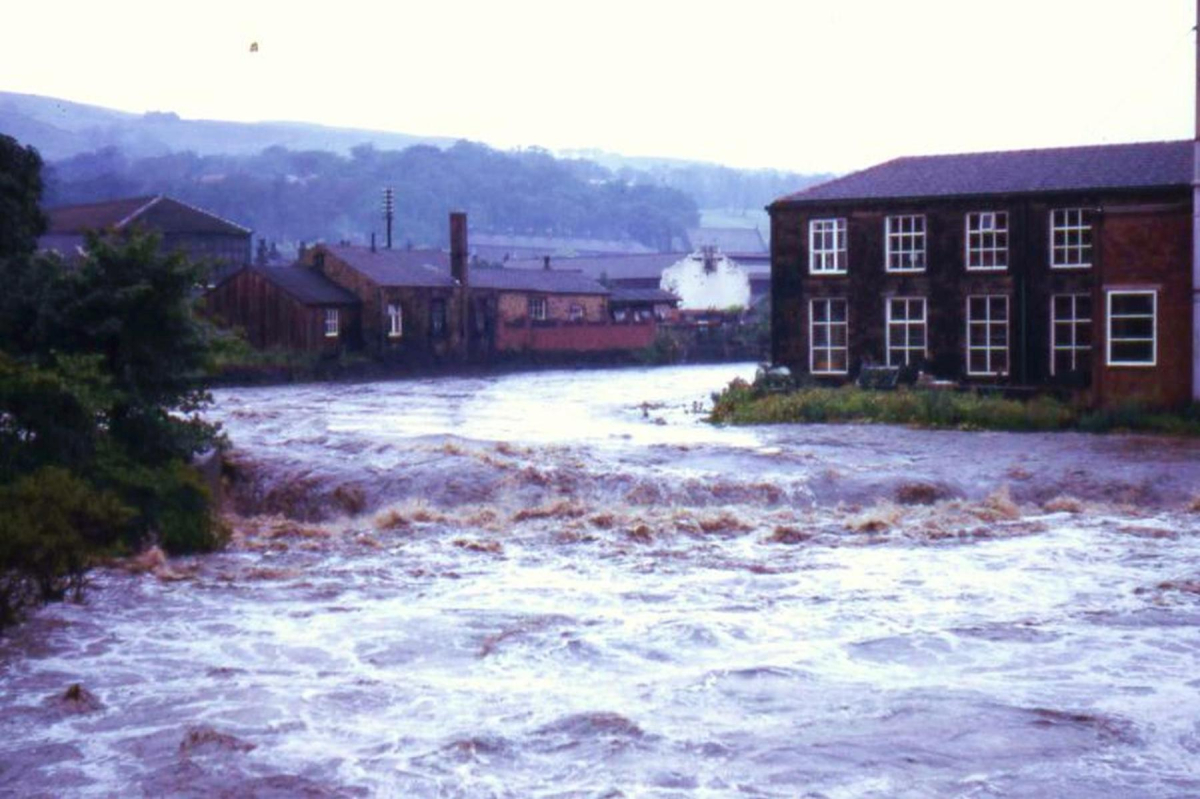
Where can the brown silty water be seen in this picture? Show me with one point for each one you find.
(566, 584)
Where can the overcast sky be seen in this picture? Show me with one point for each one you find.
(810, 86)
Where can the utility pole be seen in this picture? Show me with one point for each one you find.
(389, 208)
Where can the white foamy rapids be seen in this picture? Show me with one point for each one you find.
(574, 641)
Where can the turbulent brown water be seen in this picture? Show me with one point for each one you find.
(566, 584)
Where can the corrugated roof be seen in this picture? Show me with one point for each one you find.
(158, 212)
(397, 268)
(1108, 166)
(548, 281)
(306, 284)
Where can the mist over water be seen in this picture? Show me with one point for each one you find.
(566, 584)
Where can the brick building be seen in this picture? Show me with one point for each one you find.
(426, 305)
(1066, 267)
(198, 234)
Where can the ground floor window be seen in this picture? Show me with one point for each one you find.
(575, 313)
(437, 318)
(1070, 333)
(395, 316)
(828, 337)
(537, 308)
(1132, 326)
(987, 334)
(331, 322)
(905, 330)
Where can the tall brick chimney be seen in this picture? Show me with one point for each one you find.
(458, 247)
(460, 271)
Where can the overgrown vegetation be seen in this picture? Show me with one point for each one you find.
(742, 403)
(101, 379)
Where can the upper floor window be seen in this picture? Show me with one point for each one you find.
(395, 315)
(537, 308)
(331, 322)
(905, 330)
(1070, 238)
(1070, 333)
(828, 337)
(987, 334)
(1132, 338)
(987, 240)
(827, 246)
(905, 243)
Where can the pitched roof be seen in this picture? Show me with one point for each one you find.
(728, 239)
(548, 281)
(612, 267)
(306, 284)
(396, 268)
(1107, 166)
(158, 212)
(551, 245)
(624, 295)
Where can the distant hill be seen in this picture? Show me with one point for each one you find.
(294, 181)
(61, 129)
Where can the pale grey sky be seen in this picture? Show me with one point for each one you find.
(805, 85)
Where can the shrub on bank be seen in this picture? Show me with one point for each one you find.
(741, 403)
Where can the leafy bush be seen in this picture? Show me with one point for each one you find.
(51, 523)
(740, 404)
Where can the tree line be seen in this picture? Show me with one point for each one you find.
(291, 196)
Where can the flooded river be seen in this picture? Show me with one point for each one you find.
(566, 584)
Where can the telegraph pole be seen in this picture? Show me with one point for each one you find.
(389, 208)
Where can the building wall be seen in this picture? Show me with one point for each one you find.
(1029, 282)
(575, 337)
(514, 331)
(271, 318)
(1149, 247)
(222, 250)
(417, 341)
(514, 306)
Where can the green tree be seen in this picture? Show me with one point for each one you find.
(101, 381)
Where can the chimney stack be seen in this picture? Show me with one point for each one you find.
(546, 262)
(458, 247)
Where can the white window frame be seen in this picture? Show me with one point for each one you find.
(1075, 321)
(576, 313)
(829, 348)
(987, 347)
(902, 243)
(1076, 220)
(1108, 331)
(827, 254)
(997, 230)
(395, 315)
(539, 309)
(907, 324)
(332, 328)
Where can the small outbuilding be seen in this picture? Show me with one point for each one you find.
(287, 307)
